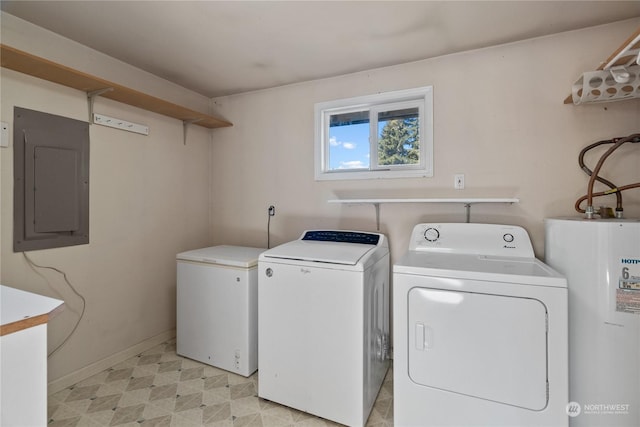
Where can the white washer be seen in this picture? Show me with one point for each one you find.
(217, 307)
(324, 323)
(480, 330)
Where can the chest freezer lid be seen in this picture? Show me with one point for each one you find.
(234, 256)
(318, 251)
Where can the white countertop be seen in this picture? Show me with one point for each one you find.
(19, 306)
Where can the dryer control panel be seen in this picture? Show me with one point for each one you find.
(465, 238)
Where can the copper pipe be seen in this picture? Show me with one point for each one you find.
(588, 171)
(605, 193)
(596, 171)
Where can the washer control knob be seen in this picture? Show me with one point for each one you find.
(508, 237)
(431, 234)
(269, 272)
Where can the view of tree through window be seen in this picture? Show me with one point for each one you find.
(398, 138)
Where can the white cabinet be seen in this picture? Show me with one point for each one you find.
(23, 356)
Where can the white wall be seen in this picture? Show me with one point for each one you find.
(149, 199)
(499, 119)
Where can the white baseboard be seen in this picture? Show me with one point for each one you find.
(99, 366)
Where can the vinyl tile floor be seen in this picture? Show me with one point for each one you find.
(160, 388)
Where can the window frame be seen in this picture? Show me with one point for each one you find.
(419, 97)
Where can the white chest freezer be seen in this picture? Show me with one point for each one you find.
(217, 307)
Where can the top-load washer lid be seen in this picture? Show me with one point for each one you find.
(314, 251)
(233, 256)
(329, 246)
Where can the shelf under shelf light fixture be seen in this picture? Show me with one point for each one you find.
(618, 79)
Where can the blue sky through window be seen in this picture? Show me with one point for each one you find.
(349, 146)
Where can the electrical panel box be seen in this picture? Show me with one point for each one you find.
(51, 181)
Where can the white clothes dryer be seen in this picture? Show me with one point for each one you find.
(323, 323)
(480, 330)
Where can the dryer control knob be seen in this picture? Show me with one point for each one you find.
(431, 234)
(508, 237)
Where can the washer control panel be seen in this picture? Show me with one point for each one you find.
(342, 236)
(465, 238)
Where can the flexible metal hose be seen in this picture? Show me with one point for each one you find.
(617, 142)
(589, 172)
(605, 193)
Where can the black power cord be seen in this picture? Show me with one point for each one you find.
(270, 212)
(33, 266)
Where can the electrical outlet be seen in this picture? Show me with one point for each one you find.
(4, 134)
(458, 181)
(272, 210)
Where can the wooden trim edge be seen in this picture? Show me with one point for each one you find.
(23, 324)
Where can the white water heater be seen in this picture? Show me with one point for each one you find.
(601, 261)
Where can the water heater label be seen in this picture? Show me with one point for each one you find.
(628, 292)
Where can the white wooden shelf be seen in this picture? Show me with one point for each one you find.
(467, 202)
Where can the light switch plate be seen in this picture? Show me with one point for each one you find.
(4, 134)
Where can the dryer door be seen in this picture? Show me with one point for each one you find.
(491, 347)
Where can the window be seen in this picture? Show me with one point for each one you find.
(389, 135)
